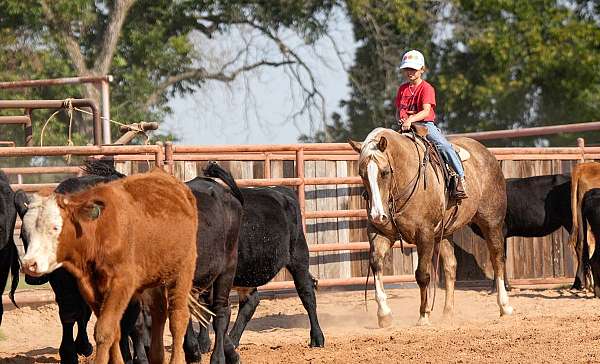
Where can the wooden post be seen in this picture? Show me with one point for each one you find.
(267, 166)
(169, 157)
(581, 145)
(160, 155)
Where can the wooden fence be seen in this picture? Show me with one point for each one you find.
(335, 210)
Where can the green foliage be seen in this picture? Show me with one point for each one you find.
(156, 56)
(495, 64)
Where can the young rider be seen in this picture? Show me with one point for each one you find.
(415, 103)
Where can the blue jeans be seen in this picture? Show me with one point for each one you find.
(435, 136)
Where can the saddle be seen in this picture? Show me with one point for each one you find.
(422, 132)
(432, 155)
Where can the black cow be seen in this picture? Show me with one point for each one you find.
(220, 217)
(590, 212)
(538, 206)
(271, 238)
(11, 204)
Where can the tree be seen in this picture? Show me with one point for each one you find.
(155, 49)
(495, 64)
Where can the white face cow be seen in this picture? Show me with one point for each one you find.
(42, 224)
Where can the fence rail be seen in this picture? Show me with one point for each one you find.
(325, 176)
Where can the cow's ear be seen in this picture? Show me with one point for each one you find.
(21, 203)
(357, 146)
(92, 210)
(382, 144)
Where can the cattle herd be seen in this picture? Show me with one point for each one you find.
(139, 249)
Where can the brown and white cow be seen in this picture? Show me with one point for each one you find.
(584, 177)
(118, 239)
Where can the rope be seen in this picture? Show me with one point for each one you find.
(130, 126)
(68, 105)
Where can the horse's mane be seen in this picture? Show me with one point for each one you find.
(370, 150)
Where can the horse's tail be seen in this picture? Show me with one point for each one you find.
(215, 171)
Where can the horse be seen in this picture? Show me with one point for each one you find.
(407, 198)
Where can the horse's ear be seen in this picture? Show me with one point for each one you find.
(357, 146)
(382, 144)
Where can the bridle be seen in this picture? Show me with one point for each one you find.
(400, 196)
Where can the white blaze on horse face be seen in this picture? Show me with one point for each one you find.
(43, 224)
(377, 212)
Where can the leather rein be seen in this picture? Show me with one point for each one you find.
(401, 197)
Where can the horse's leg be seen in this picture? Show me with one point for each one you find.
(495, 243)
(379, 246)
(449, 262)
(422, 276)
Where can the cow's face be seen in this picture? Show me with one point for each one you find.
(42, 225)
(54, 227)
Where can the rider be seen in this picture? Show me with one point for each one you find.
(415, 103)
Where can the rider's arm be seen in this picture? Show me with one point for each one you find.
(421, 115)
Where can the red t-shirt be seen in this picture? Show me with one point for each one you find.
(410, 100)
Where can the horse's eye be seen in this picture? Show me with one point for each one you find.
(385, 172)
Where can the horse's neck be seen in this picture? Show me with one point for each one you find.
(407, 157)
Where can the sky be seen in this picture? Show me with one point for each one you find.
(219, 114)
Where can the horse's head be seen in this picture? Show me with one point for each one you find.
(376, 173)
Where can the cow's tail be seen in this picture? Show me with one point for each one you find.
(99, 167)
(15, 266)
(215, 171)
(198, 309)
(575, 212)
(589, 237)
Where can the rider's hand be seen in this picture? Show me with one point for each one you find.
(405, 124)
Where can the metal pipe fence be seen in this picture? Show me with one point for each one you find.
(165, 156)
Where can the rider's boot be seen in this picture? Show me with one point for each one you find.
(460, 190)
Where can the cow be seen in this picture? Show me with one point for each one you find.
(217, 246)
(584, 177)
(117, 239)
(72, 308)
(11, 204)
(271, 237)
(537, 206)
(590, 212)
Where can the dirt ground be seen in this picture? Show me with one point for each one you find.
(547, 326)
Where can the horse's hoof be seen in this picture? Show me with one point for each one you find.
(423, 321)
(448, 314)
(385, 321)
(506, 310)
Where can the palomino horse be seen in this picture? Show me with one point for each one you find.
(408, 200)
